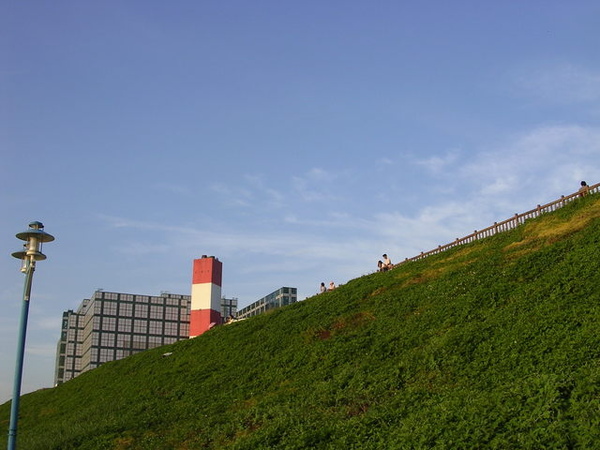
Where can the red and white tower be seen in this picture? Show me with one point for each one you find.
(206, 295)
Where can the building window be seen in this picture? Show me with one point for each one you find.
(171, 313)
(185, 329)
(156, 312)
(106, 354)
(171, 329)
(141, 310)
(124, 325)
(155, 327)
(140, 326)
(138, 343)
(109, 323)
(110, 308)
(154, 341)
(108, 340)
(157, 299)
(125, 309)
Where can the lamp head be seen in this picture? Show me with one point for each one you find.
(33, 237)
(36, 229)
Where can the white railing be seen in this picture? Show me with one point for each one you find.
(505, 225)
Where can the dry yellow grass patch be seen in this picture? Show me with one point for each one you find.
(552, 230)
(436, 271)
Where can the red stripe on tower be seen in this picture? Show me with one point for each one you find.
(205, 311)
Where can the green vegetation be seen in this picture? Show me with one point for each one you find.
(494, 344)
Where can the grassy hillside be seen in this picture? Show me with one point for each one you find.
(494, 344)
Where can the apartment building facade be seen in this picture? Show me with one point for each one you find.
(113, 325)
(276, 299)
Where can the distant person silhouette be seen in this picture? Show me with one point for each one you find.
(387, 263)
(322, 288)
(584, 189)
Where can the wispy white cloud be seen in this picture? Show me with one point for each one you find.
(232, 195)
(269, 195)
(538, 163)
(533, 167)
(439, 163)
(334, 220)
(315, 185)
(250, 191)
(527, 169)
(384, 161)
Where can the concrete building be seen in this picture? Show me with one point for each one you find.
(112, 325)
(276, 299)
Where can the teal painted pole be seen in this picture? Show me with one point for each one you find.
(14, 409)
(33, 237)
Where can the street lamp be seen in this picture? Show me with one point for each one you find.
(33, 237)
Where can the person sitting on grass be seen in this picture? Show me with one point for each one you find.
(387, 263)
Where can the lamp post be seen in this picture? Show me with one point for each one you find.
(33, 237)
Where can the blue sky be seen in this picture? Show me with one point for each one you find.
(295, 141)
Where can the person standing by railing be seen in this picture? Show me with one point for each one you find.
(584, 189)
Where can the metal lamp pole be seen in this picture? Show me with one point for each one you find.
(33, 237)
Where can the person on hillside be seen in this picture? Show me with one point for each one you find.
(387, 263)
(322, 288)
(331, 286)
(380, 266)
(584, 189)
